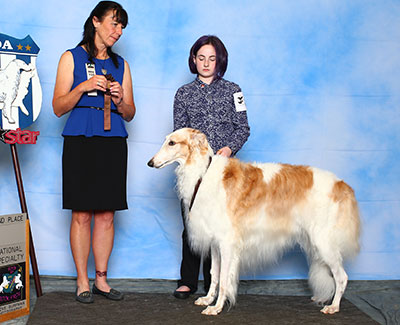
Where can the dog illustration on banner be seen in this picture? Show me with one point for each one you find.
(14, 87)
(4, 284)
(20, 90)
(11, 282)
(250, 213)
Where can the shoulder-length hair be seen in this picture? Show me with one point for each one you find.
(102, 8)
(220, 50)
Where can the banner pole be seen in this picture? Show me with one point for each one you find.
(24, 209)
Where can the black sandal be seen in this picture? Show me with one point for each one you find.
(85, 297)
(112, 295)
(182, 294)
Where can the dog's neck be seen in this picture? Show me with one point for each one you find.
(188, 175)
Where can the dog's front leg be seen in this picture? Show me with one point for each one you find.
(224, 281)
(215, 268)
(7, 112)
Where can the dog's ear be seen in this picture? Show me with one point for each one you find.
(199, 140)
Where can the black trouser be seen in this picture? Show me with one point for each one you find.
(190, 265)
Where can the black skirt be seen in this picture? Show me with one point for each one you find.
(94, 173)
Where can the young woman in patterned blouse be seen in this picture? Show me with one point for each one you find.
(216, 107)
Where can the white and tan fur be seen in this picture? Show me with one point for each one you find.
(248, 214)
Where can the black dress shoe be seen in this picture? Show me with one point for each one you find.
(85, 297)
(182, 294)
(112, 295)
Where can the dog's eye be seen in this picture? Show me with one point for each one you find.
(171, 143)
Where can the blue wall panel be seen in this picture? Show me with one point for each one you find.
(321, 82)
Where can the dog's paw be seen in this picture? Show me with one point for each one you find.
(204, 301)
(211, 311)
(330, 309)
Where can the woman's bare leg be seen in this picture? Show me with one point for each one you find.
(103, 240)
(80, 246)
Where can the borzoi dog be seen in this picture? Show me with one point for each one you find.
(4, 284)
(250, 213)
(11, 80)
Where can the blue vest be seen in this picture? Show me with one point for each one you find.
(89, 121)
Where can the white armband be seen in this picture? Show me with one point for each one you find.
(240, 105)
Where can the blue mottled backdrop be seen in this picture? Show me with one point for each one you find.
(322, 87)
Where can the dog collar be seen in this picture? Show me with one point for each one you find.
(196, 188)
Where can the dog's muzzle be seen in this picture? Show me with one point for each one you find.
(158, 165)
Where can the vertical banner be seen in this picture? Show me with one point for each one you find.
(20, 90)
(20, 104)
(14, 266)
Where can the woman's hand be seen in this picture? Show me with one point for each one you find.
(117, 93)
(225, 151)
(122, 95)
(97, 82)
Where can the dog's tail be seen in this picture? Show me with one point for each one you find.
(321, 282)
(348, 224)
(320, 277)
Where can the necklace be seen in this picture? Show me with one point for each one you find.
(102, 65)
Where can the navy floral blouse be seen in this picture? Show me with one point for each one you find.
(218, 110)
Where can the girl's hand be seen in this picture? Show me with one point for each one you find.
(117, 93)
(225, 151)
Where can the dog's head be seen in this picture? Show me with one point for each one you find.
(182, 146)
(21, 65)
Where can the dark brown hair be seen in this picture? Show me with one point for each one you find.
(102, 8)
(220, 51)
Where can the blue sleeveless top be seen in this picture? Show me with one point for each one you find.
(89, 121)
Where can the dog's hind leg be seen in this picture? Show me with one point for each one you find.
(215, 271)
(341, 278)
(328, 264)
(227, 279)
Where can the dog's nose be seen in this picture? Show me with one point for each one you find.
(150, 163)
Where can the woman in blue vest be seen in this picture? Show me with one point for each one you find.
(91, 79)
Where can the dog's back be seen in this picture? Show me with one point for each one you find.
(278, 201)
